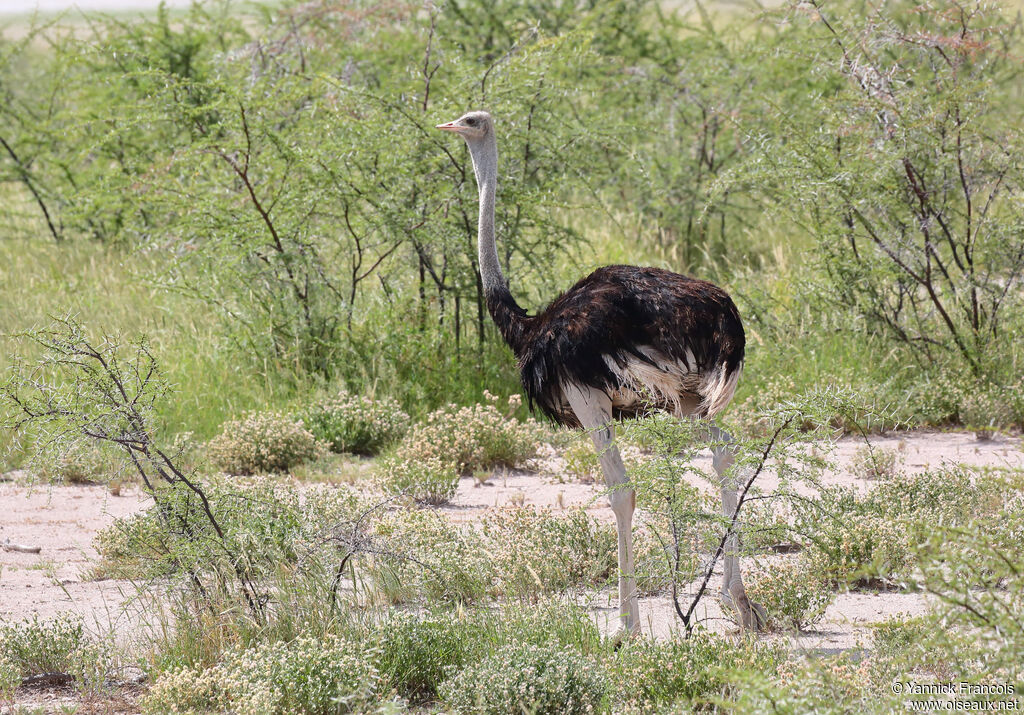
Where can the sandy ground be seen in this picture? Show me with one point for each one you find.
(62, 521)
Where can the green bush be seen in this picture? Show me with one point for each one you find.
(874, 463)
(476, 437)
(522, 678)
(860, 550)
(10, 677)
(429, 480)
(79, 462)
(647, 675)
(414, 653)
(419, 554)
(792, 591)
(581, 460)
(263, 442)
(532, 551)
(59, 645)
(307, 675)
(356, 424)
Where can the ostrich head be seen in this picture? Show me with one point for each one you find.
(472, 126)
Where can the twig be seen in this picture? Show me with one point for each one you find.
(8, 546)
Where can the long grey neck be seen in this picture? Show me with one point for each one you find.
(485, 165)
(507, 314)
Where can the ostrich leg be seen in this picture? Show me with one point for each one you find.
(752, 616)
(593, 409)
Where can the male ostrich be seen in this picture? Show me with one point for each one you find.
(623, 341)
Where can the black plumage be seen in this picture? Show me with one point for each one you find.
(622, 316)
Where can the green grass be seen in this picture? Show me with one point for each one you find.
(111, 292)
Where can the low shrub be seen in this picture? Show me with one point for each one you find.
(307, 675)
(532, 551)
(419, 554)
(271, 521)
(581, 461)
(429, 480)
(476, 437)
(10, 677)
(263, 442)
(860, 550)
(415, 652)
(356, 424)
(528, 678)
(79, 462)
(651, 676)
(59, 645)
(875, 463)
(792, 592)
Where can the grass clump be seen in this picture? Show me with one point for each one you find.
(356, 423)
(415, 653)
(522, 677)
(792, 591)
(263, 442)
(307, 675)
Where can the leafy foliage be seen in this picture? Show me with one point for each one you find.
(357, 424)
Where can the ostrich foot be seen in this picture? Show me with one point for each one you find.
(750, 616)
(624, 634)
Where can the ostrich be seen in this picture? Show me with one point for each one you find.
(622, 342)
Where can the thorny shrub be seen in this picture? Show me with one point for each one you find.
(263, 442)
(270, 521)
(791, 591)
(526, 678)
(356, 423)
(77, 463)
(307, 675)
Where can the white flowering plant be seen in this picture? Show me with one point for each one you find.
(527, 678)
(263, 442)
(358, 424)
(792, 591)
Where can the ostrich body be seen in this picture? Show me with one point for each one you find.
(622, 342)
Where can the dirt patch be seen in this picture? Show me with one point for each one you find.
(62, 521)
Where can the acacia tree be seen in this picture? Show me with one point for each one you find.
(908, 171)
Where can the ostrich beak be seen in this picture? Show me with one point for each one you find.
(449, 127)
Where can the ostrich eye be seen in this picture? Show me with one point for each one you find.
(471, 121)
